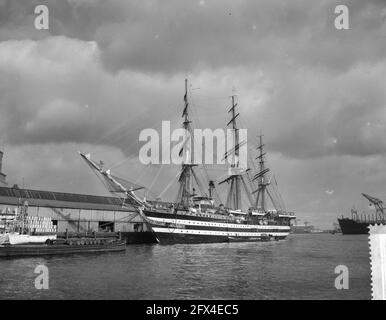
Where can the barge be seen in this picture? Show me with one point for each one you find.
(50, 212)
(55, 247)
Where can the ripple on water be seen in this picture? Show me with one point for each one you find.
(301, 267)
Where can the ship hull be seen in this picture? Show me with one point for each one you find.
(175, 228)
(350, 226)
(174, 236)
(24, 250)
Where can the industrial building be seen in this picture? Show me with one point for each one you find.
(74, 212)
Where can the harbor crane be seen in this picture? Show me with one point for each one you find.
(378, 205)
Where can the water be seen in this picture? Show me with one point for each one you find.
(301, 267)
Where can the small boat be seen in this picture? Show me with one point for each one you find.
(20, 240)
(63, 247)
(21, 229)
(14, 238)
(261, 238)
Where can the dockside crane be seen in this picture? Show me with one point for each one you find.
(378, 205)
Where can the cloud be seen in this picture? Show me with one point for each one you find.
(46, 85)
(107, 69)
(55, 167)
(179, 36)
(314, 113)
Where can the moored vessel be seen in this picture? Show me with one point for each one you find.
(353, 226)
(195, 218)
(359, 223)
(19, 238)
(63, 247)
(302, 228)
(19, 228)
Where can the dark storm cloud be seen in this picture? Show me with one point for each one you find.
(107, 69)
(55, 90)
(179, 36)
(313, 113)
(318, 77)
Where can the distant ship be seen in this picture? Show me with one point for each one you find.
(194, 218)
(302, 228)
(359, 223)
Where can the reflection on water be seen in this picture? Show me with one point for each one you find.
(301, 267)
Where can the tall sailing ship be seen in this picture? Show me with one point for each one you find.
(196, 218)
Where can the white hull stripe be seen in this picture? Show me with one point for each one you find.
(219, 224)
(219, 233)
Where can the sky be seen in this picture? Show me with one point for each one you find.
(107, 69)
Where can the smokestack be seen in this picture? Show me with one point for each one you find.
(2, 175)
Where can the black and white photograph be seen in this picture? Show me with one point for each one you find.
(192, 150)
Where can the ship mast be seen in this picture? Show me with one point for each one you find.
(261, 176)
(185, 192)
(235, 179)
(235, 159)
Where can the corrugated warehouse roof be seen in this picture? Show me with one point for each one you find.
(16, 196)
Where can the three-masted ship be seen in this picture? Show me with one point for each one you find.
(196, 218)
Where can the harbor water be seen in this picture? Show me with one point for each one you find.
(300, 267)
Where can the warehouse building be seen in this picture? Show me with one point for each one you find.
(77, 213)
(71, 212)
